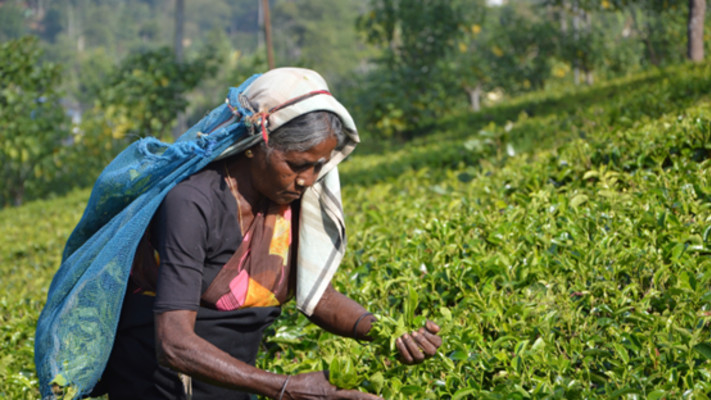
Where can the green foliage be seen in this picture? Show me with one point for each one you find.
(12, 21)
(32, 121)
(621, 35)
(32, 237)
(662, 29)
(141, 97)
(583, 47)
(564, 253)
(518, 59)
(144, 94)
(408, 91)
(492, 57)
(321, 35)
(561, 241)
(235, 67)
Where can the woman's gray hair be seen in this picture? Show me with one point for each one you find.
(306, 131)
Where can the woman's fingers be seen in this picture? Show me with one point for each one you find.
(431, 326)
(435, 339)
(409, 350)
(425, 343)
(421, 344)
(404, 352)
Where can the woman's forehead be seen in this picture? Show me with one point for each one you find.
(320, 153)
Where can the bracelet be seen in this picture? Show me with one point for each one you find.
(355, 326)
(283, 387)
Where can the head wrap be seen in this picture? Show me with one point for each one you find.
(282, 94)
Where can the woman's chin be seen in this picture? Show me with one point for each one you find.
(286, 198)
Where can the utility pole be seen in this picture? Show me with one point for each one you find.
(268, 34)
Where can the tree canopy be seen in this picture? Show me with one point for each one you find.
(398, 65)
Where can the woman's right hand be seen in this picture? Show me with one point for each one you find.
(315, 386)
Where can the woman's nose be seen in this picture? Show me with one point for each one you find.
(307, 178)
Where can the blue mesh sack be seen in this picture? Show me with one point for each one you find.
(76, 329)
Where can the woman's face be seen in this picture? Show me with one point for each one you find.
(283, 176)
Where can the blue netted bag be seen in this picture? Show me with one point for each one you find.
(76, 329)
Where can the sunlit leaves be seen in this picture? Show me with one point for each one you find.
(32, 120)
(575, 272)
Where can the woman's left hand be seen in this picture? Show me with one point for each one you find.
(419, 345)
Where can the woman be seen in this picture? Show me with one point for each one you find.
(222, 254)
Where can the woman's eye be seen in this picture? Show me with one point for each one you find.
(299, 167)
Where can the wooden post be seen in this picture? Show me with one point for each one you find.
(268, 34)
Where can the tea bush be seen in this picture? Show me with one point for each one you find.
(561, 241)
(564, 254)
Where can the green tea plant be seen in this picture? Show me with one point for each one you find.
(32, 238)
(562, 243)
(577, 269)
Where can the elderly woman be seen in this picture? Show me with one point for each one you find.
(224, 252)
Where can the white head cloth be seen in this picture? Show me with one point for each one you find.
(277, 97)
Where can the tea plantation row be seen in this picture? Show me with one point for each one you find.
(561, 241)
(566, 254)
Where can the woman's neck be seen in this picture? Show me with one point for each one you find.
(249, 198)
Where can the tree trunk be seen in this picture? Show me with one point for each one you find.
(179, 22)
(181, 121)
(588, 68)
(576, 36)
(18, 195)
(589, 78)
(576, 73)
(695, 30)
(475, 97)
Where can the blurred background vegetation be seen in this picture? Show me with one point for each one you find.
(79, 79)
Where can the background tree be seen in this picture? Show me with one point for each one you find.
(697, 14)
(472, 61)
(398, 65)
(322, 35)
(493, 56)
(580, 43)
(142, 96)
(524, 54)
(661, 26)
(409, 88)
(32, 120)
(12, 21)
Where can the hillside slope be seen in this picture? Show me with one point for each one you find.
(561, 240)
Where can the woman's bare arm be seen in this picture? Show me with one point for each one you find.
(179, 348)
